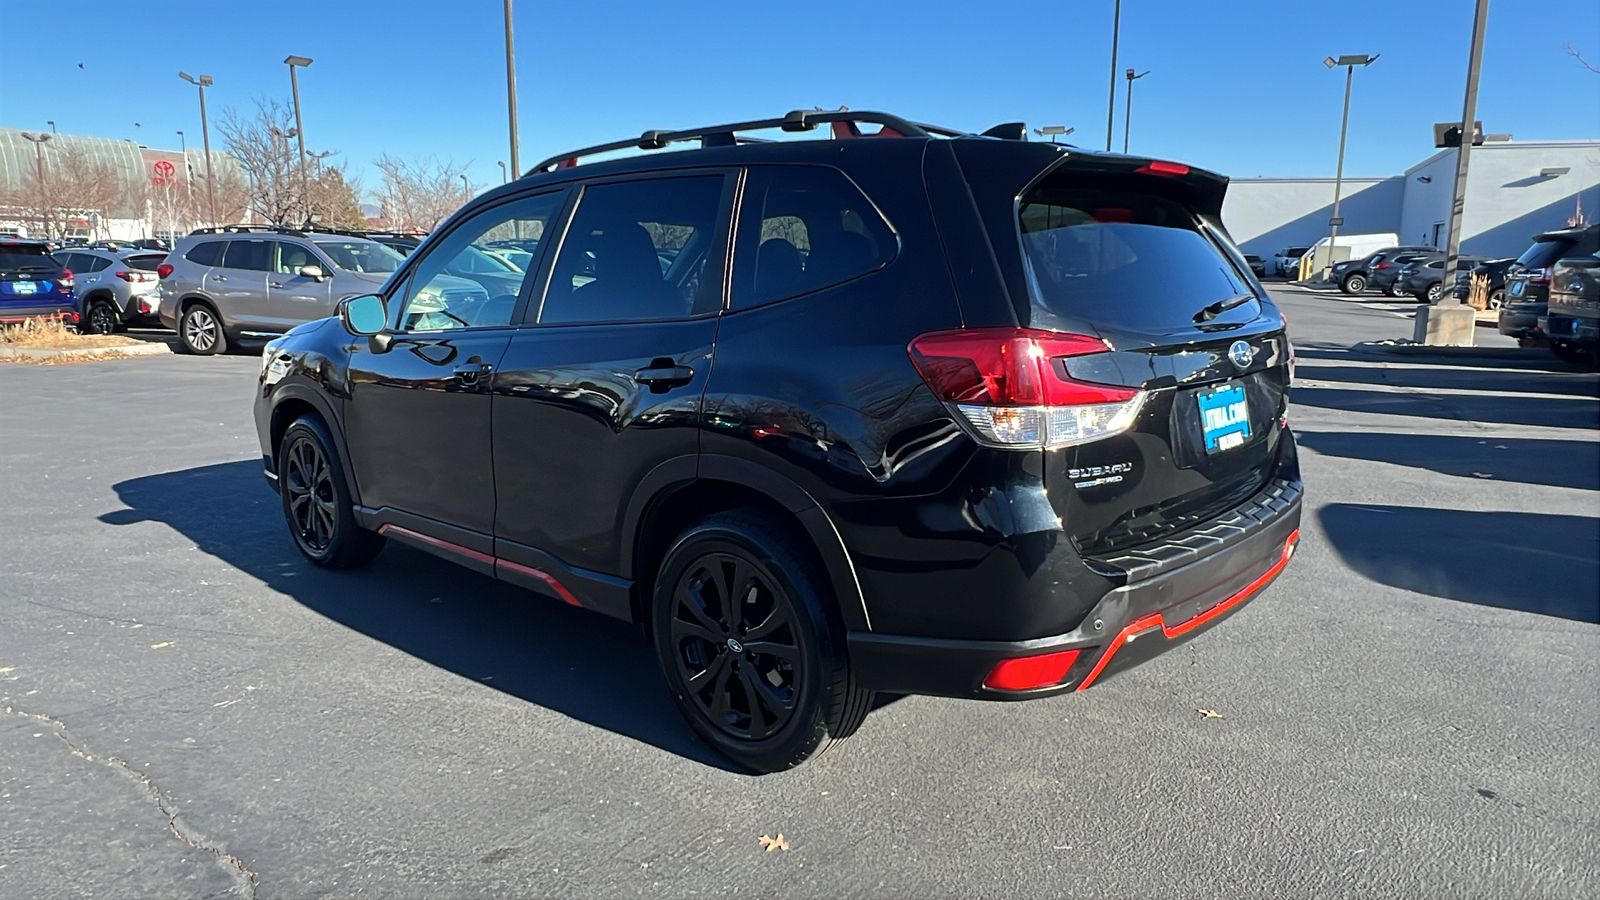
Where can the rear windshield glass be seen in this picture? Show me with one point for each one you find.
(361, 255)
(1123, 260)
(1545, 253)
(27, 258)
(148, 262)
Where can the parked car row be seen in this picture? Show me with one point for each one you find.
(1531, 313)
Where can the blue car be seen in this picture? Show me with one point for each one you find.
(33, 285)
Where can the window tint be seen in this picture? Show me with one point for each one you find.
(292, 256)
(96, 263)
(1129, 260)
(638, 250)
(148, 262)
(803, 228)
(248, 254)
(1545, 253)
(445, 293)
(206, 254)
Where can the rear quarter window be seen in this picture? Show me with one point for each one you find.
(1545, 253)
(1123, 260)
(207, 253)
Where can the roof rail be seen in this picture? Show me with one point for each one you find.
(250, 229)
(845, 124)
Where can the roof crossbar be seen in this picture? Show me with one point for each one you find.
(728, 135)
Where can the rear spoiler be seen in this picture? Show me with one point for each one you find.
(1200, 189)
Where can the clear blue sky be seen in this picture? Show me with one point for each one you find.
(1235, 86)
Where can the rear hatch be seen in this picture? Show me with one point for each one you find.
(1528, 279)
(31, 279)
(1132, 253)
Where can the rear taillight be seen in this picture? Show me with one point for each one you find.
(1162, 167)
(66, 278)
(1012, 388)
(1031, 671)
(135, 276)
(1382, 265)
(1539, 276)
(163, 270)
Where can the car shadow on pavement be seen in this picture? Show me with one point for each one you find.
(581, 664)
(1521, 381)
(1571, 464)
(1541, 412)
(1533, 562)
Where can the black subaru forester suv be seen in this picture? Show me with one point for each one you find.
(908, 410)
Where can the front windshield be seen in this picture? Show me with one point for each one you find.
(361, 255)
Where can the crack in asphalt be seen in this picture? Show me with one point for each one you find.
(117, 621)
(175, 823)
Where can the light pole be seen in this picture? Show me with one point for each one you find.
(188, 181)
(502, 164)
(466, 189)
(52, 124)
(294, 62)
(1127, 116)
(39, 141)
(1054, 131)
(1111, 104)
(202, 83)
(1349, 62)
(511, 92)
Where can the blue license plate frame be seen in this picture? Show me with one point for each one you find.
(1225, 418)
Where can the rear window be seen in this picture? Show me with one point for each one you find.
(1545, 253)
(206, 254)
(27, 257)
(1123, 260)
(148, 262)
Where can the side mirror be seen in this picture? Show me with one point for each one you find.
(313, 271)
(367, 316)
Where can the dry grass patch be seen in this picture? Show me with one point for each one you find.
(52, 334)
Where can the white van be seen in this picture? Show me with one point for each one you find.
(1347, 246)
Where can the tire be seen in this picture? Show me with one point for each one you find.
(316, 500)
(1497, 298)
(1434, 292)
(200, 330)
(100, 318)
(1353, 284)
(1577, 355)
(1393, 290)
(810, 699)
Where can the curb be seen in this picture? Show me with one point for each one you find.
(144, 348)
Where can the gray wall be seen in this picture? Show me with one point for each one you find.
(1508, 202)
(1264, 215)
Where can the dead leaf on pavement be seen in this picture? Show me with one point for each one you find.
(1210, 714)
(770, 844)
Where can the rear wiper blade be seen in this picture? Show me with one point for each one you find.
(1222, 306)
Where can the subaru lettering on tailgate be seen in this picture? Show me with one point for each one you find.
(1224, 418)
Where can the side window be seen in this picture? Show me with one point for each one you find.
(255, 255)
(97, 263)
(206, 254)
(72, 262)
(292, 256)
(460, 285)
(803, 228)
(637, 251)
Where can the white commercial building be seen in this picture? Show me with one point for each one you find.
(1515, 189)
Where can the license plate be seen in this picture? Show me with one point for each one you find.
(25, 287)
(1224, 418)
(1516, 288)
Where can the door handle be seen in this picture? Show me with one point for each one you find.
(472, 371)
(663, 375)
(275, 283)
(219, 278)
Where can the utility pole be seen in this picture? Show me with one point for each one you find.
(293, 63)
(39, 141)
(1127, 115)
(202, 83)
(1452, 322)
(1349, 62)
(511, 92)
(1111, 104)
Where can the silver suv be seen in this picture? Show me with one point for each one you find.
(221, 285)
(115, 287)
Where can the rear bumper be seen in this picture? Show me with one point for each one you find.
(1522, 321)
(1171, 604)
(1584, 332)
(66, 313)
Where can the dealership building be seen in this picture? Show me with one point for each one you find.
(1515, 190)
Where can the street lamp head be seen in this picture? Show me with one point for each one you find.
(1130, 74)
(187, 77)
(1052, 129)
(36, 138)
(205, 80)
(301, 61)
(1353, 59)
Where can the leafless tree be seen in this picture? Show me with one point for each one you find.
(1576, 54)
(419, 194)
(264, 144)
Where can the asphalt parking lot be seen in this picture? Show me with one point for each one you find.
(188, 709)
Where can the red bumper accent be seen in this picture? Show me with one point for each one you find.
(1155, 620)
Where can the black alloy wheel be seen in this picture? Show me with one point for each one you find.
(1435, 291)
(750, 644)
(737, 646)
(1354, 283)
(201, 331)
(101, 318)
(316, 502)
(1497, 298)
